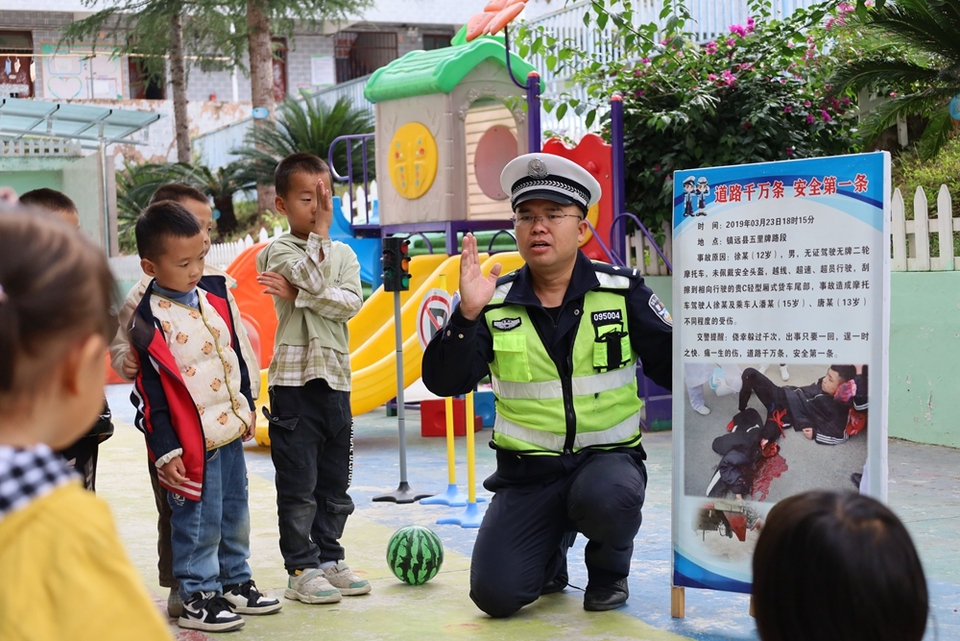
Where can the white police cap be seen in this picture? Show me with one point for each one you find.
(549, 177)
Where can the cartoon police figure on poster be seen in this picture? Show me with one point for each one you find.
(689, 187)
(703, 190)
(785, 264)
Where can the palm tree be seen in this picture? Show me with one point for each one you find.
(221, 185)
(308, 126)
(135, 186)
(912, 54)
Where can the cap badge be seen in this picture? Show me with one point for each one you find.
(536, 168)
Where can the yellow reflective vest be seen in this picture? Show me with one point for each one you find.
(538, 412)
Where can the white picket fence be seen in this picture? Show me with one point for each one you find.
(642, 255)
(911, 238)
(127, 268)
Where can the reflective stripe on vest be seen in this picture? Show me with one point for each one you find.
(533, 415)
(554, 442)
(582, 385)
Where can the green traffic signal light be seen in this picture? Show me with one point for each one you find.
(395, 264)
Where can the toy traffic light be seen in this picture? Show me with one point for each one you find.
(396, 264)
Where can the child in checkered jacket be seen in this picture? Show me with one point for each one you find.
(60, 556)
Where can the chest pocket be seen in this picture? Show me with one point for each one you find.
(511, 354)
(611, 348)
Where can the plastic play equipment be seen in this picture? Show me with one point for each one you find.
(379, 305)
(471, 516)
(367, 249)
(256, 310)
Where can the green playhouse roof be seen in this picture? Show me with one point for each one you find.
(421, 73)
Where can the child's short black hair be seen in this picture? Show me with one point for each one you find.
(178, 192)
(300, 162)
(49, 199)
(160, 221)
(850, 551)
(846, 372)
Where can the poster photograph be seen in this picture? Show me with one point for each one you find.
(781, 296)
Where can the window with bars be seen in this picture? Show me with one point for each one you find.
(436, 41)
(362, 52)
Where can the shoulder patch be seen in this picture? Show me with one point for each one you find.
(506, 324)
(660, 310)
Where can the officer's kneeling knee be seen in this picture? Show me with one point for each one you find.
(495, 602)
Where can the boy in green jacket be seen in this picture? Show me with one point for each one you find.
(315, 284)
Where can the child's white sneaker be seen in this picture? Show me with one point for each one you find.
(311, 586)
(346, 580)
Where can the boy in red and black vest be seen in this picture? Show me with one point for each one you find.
(194, 405)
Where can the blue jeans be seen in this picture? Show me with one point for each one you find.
(211, 537)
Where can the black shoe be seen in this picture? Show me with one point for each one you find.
(556, 584)
(856, 477)
(606, 597)
(209, 611)
(245, 598)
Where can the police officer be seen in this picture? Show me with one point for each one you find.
(560, 338)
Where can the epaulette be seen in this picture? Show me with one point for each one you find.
(508, 278)
(617, 270)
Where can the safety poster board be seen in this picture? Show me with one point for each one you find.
(781, 308)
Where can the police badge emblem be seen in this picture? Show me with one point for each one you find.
(536, 168)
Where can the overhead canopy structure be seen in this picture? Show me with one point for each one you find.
(97, 126)
(19, 118)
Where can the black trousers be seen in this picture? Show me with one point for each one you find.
(82, 457)
(526, 531)
(311, 444)
(164, 547)
(768, 392)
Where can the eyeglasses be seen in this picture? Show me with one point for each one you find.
(549, 219)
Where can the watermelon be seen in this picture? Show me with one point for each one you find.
(415, 554)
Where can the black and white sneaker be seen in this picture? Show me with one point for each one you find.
(210, 612)
(245, 598)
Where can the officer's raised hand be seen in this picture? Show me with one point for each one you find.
(476, 290)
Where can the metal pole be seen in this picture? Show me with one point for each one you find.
(104, 188)
(403, 493)
(533, 112)
(617, 243)
(398, 336)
